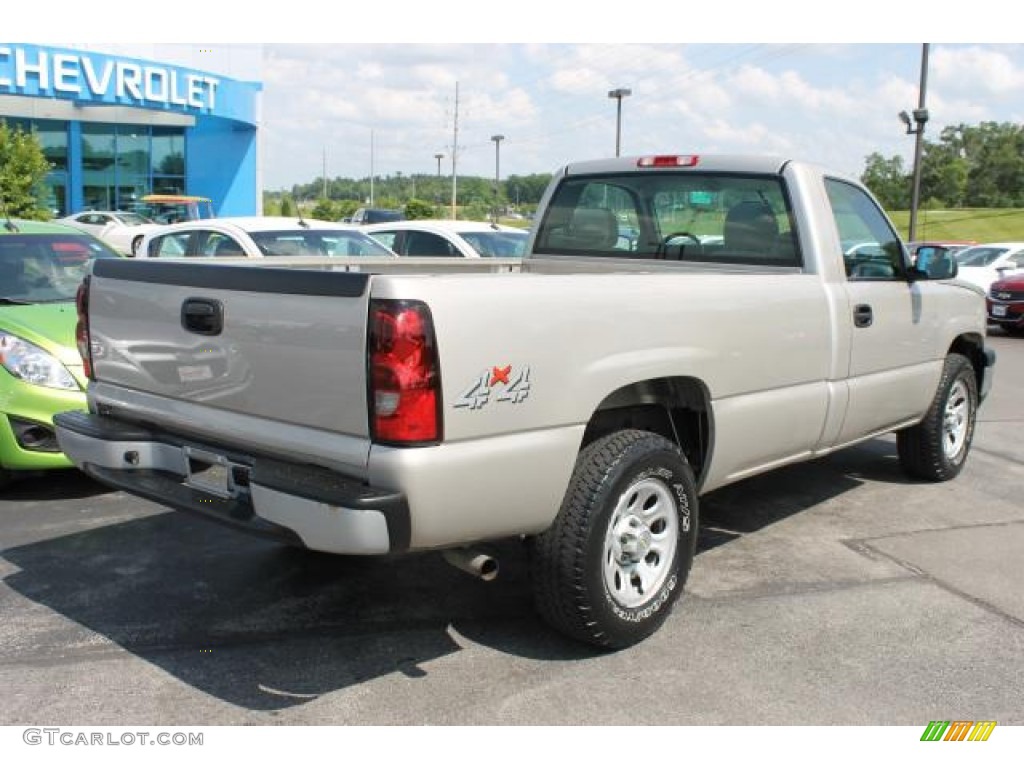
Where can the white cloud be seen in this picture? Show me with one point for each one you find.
(976, 71)
(755, 83)
(578, 81)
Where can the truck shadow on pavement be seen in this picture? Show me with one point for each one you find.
(755, 503)
(265, 627)
(52, 485)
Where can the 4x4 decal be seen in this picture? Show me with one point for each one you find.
(501, 383)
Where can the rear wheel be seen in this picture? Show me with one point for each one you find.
(936, 448)
(614, 562)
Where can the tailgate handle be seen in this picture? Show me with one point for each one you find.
(202, 316)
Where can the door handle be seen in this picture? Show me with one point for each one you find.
(202, 316)
(862, 315)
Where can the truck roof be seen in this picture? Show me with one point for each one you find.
(697, 162)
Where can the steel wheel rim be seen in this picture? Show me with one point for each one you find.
(640, 543)
(956, 419)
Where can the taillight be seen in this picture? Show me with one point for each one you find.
(82, 340)
(404, 377)
(668, 161)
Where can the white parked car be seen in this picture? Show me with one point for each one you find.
(469, 239)
(121, 230)
(982, 265)
(259, 236)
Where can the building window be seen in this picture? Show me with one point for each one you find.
(98, 159)
(121, 163)
(168, 152)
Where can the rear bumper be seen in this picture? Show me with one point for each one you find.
(298, 503)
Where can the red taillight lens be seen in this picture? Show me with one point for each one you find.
(405, 382)
(82, 340)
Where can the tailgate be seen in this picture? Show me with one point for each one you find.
(278, 343)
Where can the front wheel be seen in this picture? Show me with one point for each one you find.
(136, 242)
(936, 449)
(615, 560)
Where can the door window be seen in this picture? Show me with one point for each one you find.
(427, 244)
(172, 245)
(871, 249)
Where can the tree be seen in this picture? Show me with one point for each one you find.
(287, 206)
(944, 171)
(325, 210)
(419, 209)
(23, 168)
(345, 208)
(526, 190)
(887, 181)
(976, 166)
(995, 176)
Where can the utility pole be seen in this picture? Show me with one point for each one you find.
(371, 167)
(325, 173)
(455, 152)
(920, 118)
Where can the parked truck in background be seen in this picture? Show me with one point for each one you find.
(678, 323)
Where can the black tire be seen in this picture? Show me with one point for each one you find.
(579, 586)
(136, 242)
(935, 449)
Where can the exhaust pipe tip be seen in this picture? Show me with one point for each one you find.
(473, 562)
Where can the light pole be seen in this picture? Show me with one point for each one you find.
(618, 94)
(437, 197)
(917, 130)
(497, 139)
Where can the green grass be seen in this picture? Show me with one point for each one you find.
(985, 225)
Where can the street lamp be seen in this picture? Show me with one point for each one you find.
(497, 139)
(618, 94)
(916, 129)
(437, 197)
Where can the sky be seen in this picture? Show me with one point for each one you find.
(829, 103)
(372, 88)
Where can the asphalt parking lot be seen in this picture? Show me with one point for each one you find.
(835, 592)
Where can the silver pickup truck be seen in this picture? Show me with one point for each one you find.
(679, 323)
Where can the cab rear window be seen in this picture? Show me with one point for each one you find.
(687, 216)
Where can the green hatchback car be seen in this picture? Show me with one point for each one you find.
(41, 267)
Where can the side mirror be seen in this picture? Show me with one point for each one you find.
(940, 267)
(944, 267)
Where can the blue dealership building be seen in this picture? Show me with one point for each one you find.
(130, 120)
